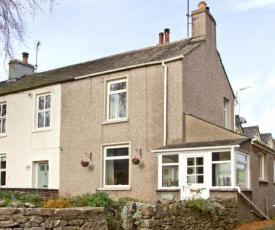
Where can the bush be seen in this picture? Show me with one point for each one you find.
(98, 199)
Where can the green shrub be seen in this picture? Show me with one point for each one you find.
(98, 199)
(203, 205)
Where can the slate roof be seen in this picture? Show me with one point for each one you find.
(205, 144)
(251, 131)
(68, 73)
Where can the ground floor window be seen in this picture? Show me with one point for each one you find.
(241, 170)
(221, 168)
(170, 170)
(116, 165)
(3, 166)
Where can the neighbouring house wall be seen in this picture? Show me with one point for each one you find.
(205, 85)
(262, 190)
(42, 218)
(83, 129)
(197, 130)
(24, 146)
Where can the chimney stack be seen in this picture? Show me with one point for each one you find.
(25, 57)
(167, 35)
(18, 69)
(203, 24)
(160, 38)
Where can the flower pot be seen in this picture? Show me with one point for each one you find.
(84, 163)
(135, 161)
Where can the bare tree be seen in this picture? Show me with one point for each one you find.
(12, 21)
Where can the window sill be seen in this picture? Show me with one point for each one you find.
(263, 180)
(114, 121)
(168, 189)
(127, 188)
(3, 135)
(41, 130)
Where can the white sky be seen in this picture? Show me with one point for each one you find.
(83, 30)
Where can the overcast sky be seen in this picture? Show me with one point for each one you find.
(83, 30)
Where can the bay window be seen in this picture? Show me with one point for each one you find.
(241, 170)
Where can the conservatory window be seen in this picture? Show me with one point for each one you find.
(170, 170)
(221, 168)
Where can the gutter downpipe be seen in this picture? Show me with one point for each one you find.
(250, 202)
(165, 95)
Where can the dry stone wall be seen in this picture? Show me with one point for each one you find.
(178, 216)
(55, 219)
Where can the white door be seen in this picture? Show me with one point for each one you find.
(43, 175)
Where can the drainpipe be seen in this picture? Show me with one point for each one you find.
(165, 93)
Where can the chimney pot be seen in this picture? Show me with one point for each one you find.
(202, 5)
(167, 35)
(25, 56)
(160, 38)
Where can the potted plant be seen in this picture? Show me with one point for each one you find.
(135, 160)
(84, 163)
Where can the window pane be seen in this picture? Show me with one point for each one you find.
(117, 172)
(170, 176)
(222, 156)
(3, 125)
(117, 152)
(3, 163)
(221, 174)
(190, 161)
(199, 170)
(117, 86)
(117, 105)
(170, 159)
(48, 102)
(41, 103)
(40, 120)
(3, 178)
(48, 120)
(199, 160)
(241, 158)
(4, 110)
(241, 175)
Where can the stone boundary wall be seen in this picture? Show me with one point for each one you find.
(178, 216)
(55, 219)
(46, 193)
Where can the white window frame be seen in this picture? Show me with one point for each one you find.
(231, 162)
(244, 163)
(226, 112)
(262, 167)
(108, 93)
(161, 164)
(3, 169)
(105, 158)
(196, 166)
(3, 118)
(44, 110)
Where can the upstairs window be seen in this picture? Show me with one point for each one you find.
(3, 117)
(116, 99)
(43, 111)
(226, 113)
(3, 165)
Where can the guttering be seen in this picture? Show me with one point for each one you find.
(263, 145)
(193, 149)
(127, 67)
(165, 93)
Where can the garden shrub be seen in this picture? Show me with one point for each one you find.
(57, 203)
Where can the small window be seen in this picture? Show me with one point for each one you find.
(43, 111)
(3, 117)
(170, 170)
(241, 168)
(116, 166)
(116, 100)
(3, 166)
(262, 167)
(221, 169)
(226, 113)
